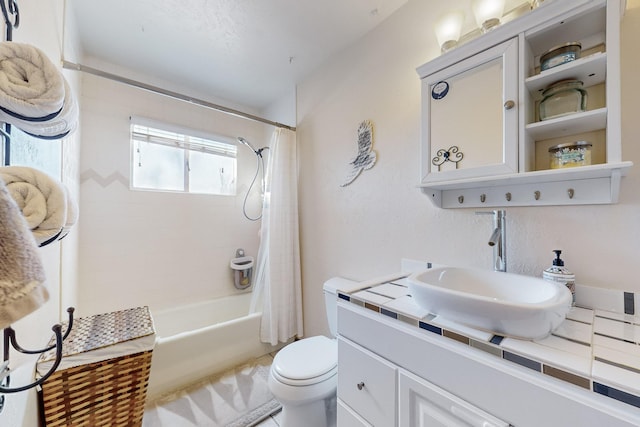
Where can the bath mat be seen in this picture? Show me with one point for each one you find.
(237, 398)
(255, 417)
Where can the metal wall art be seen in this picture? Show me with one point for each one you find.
(453, 155)
(366, 157)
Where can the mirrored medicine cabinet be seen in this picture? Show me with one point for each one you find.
(483, 143)
(469, 131)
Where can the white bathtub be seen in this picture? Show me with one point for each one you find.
(202, 339)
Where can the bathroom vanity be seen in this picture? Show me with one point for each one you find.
(400, 366)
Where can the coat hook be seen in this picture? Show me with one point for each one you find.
(461, 199)
(507, 196)
(570, 192)
(536, 194)
(10, 334)
(57, 329)
(483, 197)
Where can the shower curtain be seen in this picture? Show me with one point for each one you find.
(277, 283)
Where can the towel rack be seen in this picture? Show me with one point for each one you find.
(10, 7)
(10, 339)
(11, 15)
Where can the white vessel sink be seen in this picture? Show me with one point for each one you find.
(503, 303)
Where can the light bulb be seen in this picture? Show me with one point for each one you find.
(487, 13)
(448, 29)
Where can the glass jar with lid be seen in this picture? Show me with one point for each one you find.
(570, 155)
(562, 98)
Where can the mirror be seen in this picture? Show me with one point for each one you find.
(469, 130)
(480, 143)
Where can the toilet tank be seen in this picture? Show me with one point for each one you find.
(330, 289)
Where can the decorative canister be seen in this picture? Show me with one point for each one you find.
(559, 55)
(570, 155)
(562, 98)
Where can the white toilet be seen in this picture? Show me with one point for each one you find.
(303, 375)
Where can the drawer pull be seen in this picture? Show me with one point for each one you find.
(360, 385)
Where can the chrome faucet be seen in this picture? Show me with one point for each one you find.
(498, 239)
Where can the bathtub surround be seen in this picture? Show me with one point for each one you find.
(160, 249)
(278, 289)
(22, 276)
(237, 398)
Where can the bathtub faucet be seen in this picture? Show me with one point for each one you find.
(498, 239)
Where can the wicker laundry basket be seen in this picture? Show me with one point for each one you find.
(103, 376)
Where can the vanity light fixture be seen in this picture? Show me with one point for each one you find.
(448, 28)
(488, 13)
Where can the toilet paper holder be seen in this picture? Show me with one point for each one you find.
(242, 267)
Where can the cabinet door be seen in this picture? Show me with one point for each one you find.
(470, 122)
(367, 384)
(422, 404)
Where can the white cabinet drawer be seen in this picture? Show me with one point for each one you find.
(348, 418)
(367, 384)
(423, 404)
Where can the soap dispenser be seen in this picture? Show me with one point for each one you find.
(242, 267)
(558, 273)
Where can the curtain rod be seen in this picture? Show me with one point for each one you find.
(78, 67)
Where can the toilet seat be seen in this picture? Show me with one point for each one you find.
(305, 362)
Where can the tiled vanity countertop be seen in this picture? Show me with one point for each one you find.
(594, 349)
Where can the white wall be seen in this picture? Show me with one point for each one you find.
(363, 230)
(154, 248)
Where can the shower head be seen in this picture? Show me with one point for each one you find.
(241, 140)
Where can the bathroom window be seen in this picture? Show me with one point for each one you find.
(25, 150)
(166, 158)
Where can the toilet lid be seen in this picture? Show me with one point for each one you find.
(307, 358)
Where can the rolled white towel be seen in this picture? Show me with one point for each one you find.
(41, 199)
(58, 127)
(31, 86)
(22, 276)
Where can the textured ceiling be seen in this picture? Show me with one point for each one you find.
(249, 52)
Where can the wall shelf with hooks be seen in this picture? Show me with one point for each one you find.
(596, 184)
